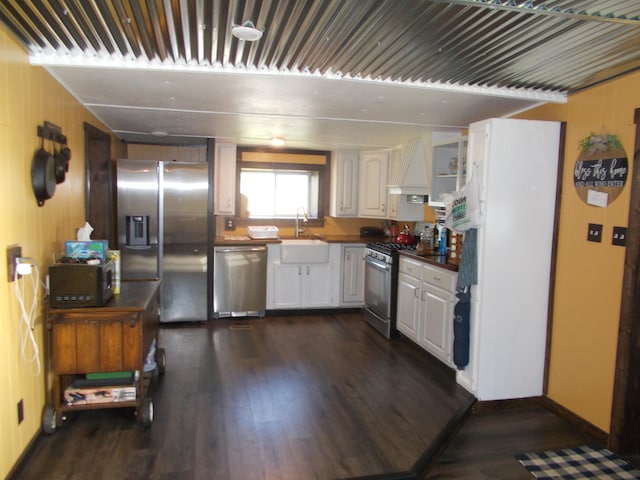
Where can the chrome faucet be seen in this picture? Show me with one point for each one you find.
(305, 219)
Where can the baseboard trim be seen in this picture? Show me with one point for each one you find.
(583, 426)
(599, 436)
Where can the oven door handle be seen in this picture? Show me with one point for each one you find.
(377, 264)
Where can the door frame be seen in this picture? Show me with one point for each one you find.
(100, 193)
(624, 436)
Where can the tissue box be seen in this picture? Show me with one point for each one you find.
(87, 249)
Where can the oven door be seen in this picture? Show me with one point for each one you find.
(377, 287)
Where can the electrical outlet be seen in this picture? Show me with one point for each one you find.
(619, 236)
(20, 411)
(595, 232)
(229, 223)
(13, 252)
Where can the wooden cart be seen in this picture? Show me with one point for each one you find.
(113, 338)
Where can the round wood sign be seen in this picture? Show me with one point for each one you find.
(600, 173)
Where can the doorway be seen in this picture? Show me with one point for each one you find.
(100, 194)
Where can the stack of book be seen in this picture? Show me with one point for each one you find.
(101, 388)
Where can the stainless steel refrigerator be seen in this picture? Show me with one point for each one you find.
(163, 232)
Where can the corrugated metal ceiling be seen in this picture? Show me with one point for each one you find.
(552, 45)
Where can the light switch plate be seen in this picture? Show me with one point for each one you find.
(619, 236)
(594, 234)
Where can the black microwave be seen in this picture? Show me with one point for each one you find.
(80, 285)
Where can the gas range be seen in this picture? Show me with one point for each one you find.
(386, 252)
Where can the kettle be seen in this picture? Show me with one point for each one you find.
(405, 238)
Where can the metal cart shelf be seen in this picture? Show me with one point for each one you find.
(113, 338)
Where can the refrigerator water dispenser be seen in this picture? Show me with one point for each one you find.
(137, 230)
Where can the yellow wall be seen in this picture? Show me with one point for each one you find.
(28, 97)
(589, 275)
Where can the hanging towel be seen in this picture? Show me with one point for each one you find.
(461, 330)
(467, 276)
(468, 268)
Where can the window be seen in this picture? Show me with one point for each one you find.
(275, 186)
(275, 193)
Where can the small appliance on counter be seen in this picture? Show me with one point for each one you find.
(371, 232)
(405, 238)
(76, 284)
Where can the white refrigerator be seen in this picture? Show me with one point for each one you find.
(517, 164)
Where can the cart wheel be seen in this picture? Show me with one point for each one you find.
(146, 412)
(49, 422)
(161, 360)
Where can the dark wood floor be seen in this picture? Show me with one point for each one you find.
(293, 397)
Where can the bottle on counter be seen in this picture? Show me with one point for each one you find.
(442, 240)
(426, 239)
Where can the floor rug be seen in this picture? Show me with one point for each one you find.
(580, 462)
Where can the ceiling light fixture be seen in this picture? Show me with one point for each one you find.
(247, 31)
(277, 141)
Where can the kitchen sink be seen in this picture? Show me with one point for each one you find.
(304, 250)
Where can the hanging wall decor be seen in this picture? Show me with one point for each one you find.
(601, 170)
(49, 169)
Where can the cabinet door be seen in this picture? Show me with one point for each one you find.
(372, 199)
(344, 184)
(436, 323)
(287, 285)
(353, 275)
(408, 305)
(446, 168)
(317, 285)
(225, 179)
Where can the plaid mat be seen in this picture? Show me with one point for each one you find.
(580, 462)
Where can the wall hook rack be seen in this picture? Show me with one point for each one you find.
(49, 131)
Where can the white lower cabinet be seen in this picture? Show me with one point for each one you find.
(302, 285)
(426, 298)
(408, 305)
(352, 275)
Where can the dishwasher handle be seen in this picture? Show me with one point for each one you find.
(243, 248)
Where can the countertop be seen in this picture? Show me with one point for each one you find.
(231, 239)
(437, 260)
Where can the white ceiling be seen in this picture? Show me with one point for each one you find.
(310, 112)
(326, 74)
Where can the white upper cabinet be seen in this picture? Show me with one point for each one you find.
(448, 168)
(344, 184)
(372, 198)
(398, 207)
(224, 179)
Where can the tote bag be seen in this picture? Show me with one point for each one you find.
(462, 207)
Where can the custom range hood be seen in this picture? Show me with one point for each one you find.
(410, 176)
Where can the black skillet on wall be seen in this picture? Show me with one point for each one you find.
(48, 169)
(61, 158)
(43, 176)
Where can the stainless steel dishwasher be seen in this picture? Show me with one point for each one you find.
(239, 281)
